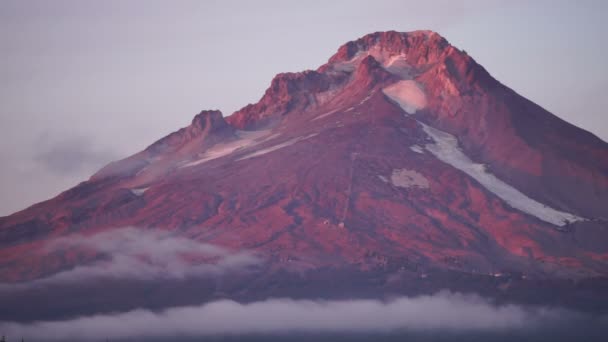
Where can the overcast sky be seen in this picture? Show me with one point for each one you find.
(86, 82)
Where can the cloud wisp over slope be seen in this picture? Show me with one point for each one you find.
(140, 254)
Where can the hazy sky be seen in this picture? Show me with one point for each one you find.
(87, 82)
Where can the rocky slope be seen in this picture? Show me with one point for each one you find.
(399, 158)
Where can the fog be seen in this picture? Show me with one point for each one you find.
(442, 312)
(141, 254)
(151, 254)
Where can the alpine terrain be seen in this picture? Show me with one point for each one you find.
(399, 167)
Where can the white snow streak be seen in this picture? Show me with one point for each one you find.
(247, 139)
(446, 149)
(416, 149)
(325, 115)
(277, 147)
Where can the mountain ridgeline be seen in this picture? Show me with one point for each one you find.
(399, 166)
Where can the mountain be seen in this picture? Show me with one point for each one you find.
(399, 166)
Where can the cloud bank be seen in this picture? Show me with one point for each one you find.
(140, 254)
(443, 311)
(152, 254)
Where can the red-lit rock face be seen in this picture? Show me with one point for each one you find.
(327, 170)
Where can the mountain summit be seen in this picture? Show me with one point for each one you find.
(399, 165)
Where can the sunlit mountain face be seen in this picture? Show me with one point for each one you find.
(397, 192)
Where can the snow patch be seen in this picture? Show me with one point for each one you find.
(366, 98)
(277, 147)
(446, 149)
(405, 178)
(408, 94)
(139, 191)
(395, 64)
(325, 115)
(398, 65)
(417, 149)
(246, 139)
(350, 65)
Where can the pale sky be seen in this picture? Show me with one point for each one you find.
(83, 83)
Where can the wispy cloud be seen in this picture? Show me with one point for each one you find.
(441, 312)
(131, 253)
(70, 155)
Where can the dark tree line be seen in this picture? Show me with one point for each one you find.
(5, 340)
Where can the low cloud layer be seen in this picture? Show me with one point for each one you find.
(140, 254)
(447, 312)
(152, 254)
